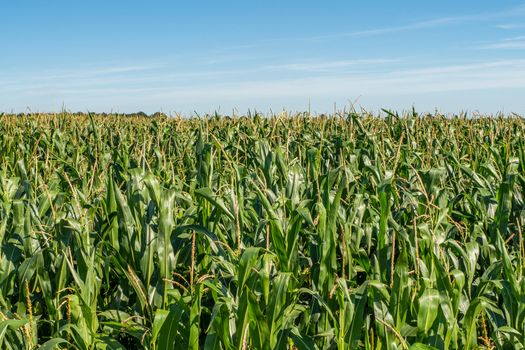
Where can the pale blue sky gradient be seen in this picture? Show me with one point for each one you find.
(204, 56)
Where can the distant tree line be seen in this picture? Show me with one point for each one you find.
(80, 114)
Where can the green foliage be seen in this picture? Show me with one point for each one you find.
(289, 232)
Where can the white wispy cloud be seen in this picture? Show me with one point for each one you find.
(111, 79)
(516, 11)
(451, 79)
(328, 66)
(87, 72)
(513, 43)
(385, 30)
(475, 76)
(510, 26)
(55, 75)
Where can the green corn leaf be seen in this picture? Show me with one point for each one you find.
(428, 309)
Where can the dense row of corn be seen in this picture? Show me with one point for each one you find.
(345, 232)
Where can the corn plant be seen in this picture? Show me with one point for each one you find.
(349, 231)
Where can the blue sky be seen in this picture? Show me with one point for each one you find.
(203, 56)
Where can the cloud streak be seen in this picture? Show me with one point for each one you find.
(475, 76)
(510, 26)
(329, 66)
(490, 75)
(111, 79)
(81, 74)
(515, 43)
(430, 23)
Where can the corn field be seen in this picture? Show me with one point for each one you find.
(348, 231)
